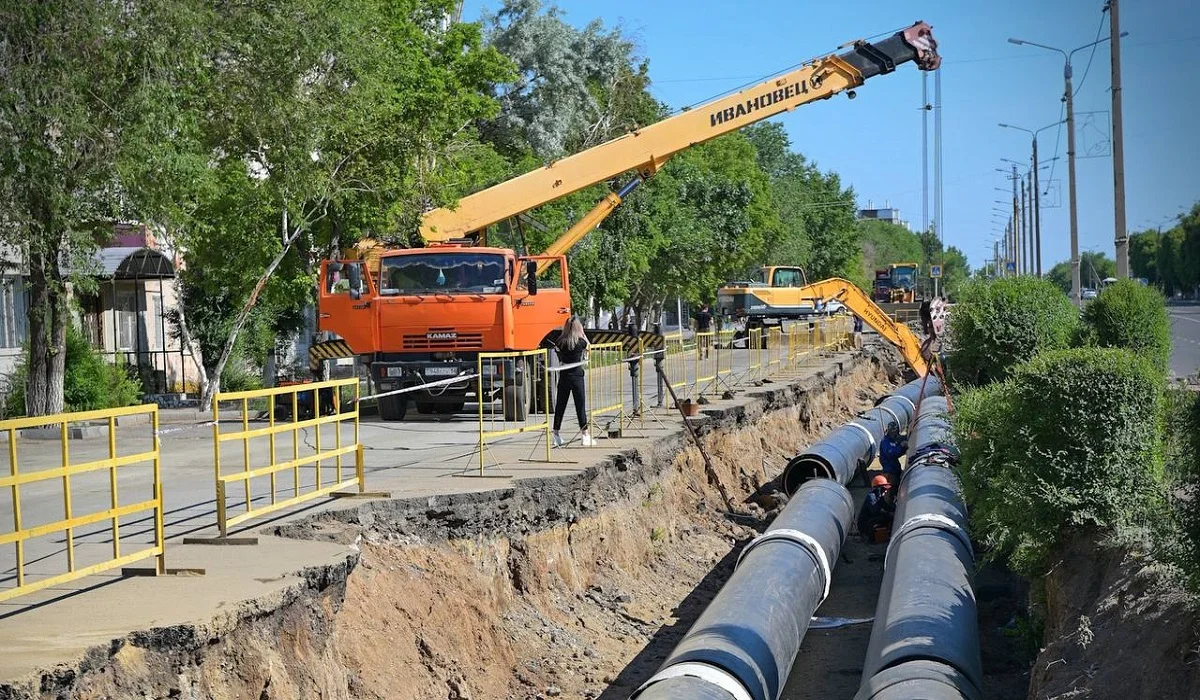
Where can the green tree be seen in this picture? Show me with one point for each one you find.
(1093, 267)
(1143, 255)
(323, 124)
(573, 88)
(80, 78)
(1170, 257)
(1189, 258)
(816, 214)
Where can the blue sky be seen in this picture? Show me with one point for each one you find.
(700, 48)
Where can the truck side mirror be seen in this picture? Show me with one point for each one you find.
(354, 273)
(531, 276)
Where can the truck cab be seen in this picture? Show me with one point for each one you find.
(425, 315)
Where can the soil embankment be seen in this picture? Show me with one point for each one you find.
(570, 586)
(1115, 629)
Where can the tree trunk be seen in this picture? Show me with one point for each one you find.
(214, 379)
(48, 317)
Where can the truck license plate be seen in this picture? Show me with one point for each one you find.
(441, 371)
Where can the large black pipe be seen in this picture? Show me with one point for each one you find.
(841, 453)
(744, 644)
(926, 680)
(931, 432)
(925, 640)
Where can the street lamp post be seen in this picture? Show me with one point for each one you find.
(1069, 98)
(1037, 192)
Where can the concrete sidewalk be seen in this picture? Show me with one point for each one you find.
(421, 457)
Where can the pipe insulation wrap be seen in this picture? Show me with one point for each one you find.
(841, 453)
(931, 430)
(752, 629)
(927, 680)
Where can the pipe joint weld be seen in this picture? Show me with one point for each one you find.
(890, 412)
(870, 439)
(712, 675)
(931, 520)
(808, 542)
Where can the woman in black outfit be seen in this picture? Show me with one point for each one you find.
(572, 348)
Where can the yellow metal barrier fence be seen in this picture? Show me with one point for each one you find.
(756, 369)
(302, 407)
(705, 363)
(606, 398)
(512, 388)
(724, 358)
(72, 519)
(680, 373)
(775, 349)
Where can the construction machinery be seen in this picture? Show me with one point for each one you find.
(424, 315)
(903, 278)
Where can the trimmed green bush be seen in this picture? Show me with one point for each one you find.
(1071, 440)
(1177, 531)
(997, 324)
(90, 382)
(1132, 316)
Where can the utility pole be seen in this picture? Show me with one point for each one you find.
(1025, 227)
(924, 150)
(1069, 96)
(1118, 154)
(1037, 212)
(1016, 222)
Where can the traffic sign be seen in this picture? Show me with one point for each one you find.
(1010, 267)
(935, 271)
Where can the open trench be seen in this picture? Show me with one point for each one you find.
(580, 592)
(567, 586)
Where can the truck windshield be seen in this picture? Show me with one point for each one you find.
(452, 273)
(904, 278)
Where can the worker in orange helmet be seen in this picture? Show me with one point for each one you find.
(878, 509)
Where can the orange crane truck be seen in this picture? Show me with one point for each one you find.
(421, 315)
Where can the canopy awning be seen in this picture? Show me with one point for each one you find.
(134, 263)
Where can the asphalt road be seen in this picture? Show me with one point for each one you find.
(1185, 334)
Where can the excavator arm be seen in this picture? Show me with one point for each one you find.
(861, 305)
(646, 150)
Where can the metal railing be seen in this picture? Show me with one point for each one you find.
(72, 519)
(511, 388)
(705, 359)
(302, 407)
(724, 360)
(754, 344)
(606, 398)
(680, 372)
(775, 349)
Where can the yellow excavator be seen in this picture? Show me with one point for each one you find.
(782, 293)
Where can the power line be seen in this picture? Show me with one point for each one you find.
(1095, 46)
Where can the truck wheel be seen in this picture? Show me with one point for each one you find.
(392, 408)
(426, 407)
(514, 400)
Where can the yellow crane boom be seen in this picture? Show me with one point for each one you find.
(646, 150)
(860, 304)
